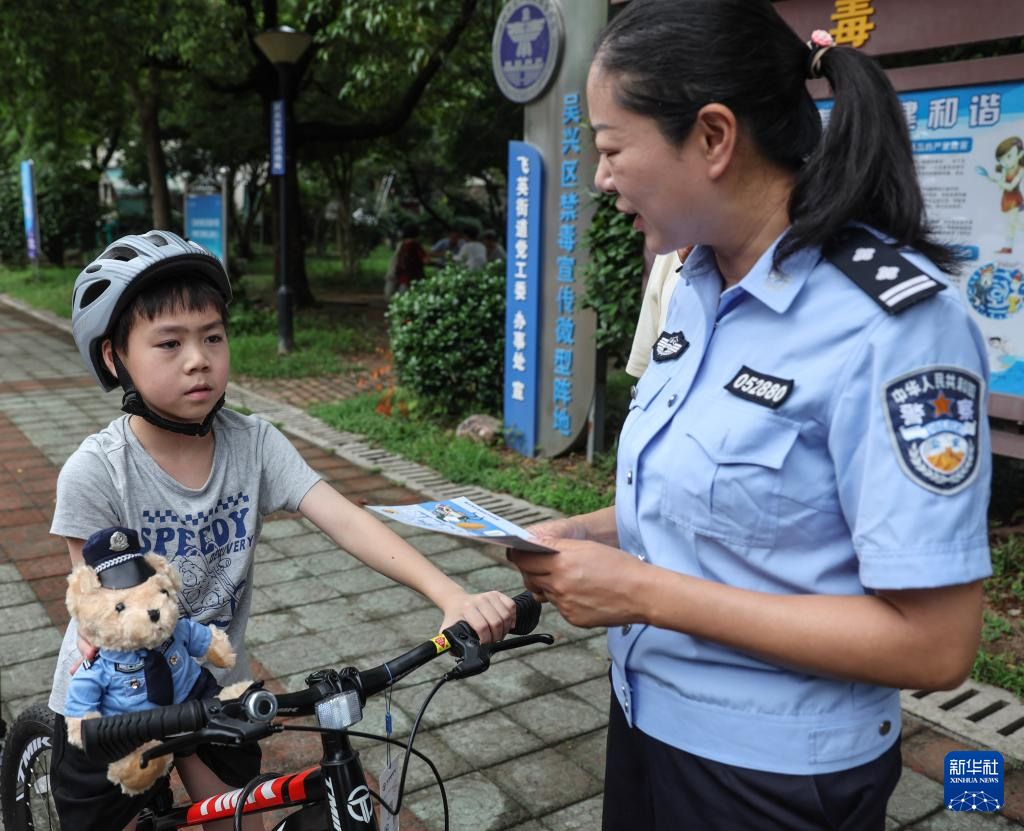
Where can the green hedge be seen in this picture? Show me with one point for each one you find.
(448, 339)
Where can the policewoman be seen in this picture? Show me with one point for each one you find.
(800, 518)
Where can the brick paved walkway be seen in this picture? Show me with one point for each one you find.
(520, 747)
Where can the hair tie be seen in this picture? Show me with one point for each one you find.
(820, 42)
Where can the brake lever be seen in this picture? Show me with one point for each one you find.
(475, 657)
(163, 749)
(221, 732)
(525, 640)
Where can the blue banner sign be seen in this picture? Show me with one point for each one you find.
(28, 202)
(522, 295)
(204, 222)
(277, 138)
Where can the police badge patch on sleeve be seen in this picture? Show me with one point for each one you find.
(933, 421)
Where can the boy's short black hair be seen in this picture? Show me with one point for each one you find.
(189, 292)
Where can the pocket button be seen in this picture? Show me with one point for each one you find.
(884, 728)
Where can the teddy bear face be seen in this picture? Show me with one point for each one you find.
(140, 617)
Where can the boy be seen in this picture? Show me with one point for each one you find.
(196, 480)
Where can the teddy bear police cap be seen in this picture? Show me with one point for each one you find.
(114, 555)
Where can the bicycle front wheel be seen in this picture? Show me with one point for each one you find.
(26, 803)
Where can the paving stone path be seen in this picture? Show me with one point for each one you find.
(520, 747)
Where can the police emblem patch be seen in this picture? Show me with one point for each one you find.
(669, 346)
(933, 421)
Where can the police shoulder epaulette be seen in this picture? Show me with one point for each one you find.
(885, 275)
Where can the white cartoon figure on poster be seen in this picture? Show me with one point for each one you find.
(464, 519)
(1008, 175)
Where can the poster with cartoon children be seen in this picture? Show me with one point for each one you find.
(968, 145)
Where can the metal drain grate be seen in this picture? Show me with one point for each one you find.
(977, 713)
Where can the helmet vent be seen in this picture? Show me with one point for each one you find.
(92, 269)
(122, 253)
(92, 292)
(156, 239)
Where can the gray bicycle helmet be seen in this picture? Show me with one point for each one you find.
(107, 286)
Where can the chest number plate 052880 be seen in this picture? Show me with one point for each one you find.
(760, 388)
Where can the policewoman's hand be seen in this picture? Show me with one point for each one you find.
(553, 529)
(590, 584)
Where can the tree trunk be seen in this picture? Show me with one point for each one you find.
(147, 102)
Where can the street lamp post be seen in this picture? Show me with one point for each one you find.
(283, 47)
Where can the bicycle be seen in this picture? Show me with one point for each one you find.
(332, 795)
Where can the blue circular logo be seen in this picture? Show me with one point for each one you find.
(526, 49)
(996, 292)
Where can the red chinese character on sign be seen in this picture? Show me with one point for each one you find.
(853, 24)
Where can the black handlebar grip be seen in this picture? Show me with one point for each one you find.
(110, 738)
(527, 614)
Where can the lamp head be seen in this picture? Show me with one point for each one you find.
(283, 44)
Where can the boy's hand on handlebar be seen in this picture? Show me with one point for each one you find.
(491, 614)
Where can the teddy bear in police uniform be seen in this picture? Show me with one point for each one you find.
(126, 604)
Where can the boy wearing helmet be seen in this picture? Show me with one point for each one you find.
(150, 315)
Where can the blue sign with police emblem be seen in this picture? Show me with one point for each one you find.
(933, 417)
(974, 780)
(526, 48)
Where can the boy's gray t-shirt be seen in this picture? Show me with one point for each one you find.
(207, 533)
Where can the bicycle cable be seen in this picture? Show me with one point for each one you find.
(407, 747)
(250, 786)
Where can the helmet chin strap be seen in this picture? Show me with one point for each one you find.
(133, 404)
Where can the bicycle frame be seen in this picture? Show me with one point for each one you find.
(339, 773)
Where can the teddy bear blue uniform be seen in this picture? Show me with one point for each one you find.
(124, 681)
(115, 682)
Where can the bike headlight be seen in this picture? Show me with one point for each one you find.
(339, 711)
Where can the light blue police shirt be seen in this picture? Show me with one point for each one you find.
(115, 683)
(860, 463)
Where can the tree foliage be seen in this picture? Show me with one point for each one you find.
(166, 87)
(613, 291)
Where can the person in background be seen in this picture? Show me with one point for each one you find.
(661, 282)
(447, 246)
(800, 522)
(473, 254)
(410, 258)
(494, 249)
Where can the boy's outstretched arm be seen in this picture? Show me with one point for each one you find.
(491, 614)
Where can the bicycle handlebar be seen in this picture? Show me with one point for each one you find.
(113, 737)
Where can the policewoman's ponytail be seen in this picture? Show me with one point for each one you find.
(863, 167)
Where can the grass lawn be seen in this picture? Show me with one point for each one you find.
(328, 338)
(567, 485)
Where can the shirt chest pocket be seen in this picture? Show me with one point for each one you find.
(729, 466)
(132, 686)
